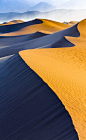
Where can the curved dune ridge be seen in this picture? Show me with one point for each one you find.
(17, 27)
(64, 70)
(41, 25)
(29, 109)
(46, 41)
(72, 22)
(12, 22)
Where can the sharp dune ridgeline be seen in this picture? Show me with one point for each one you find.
(12, 22)
(41, 25)
(44, 41)
(64, 70)
(42, 80)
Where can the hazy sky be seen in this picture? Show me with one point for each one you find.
(24, 5)
(53, 2)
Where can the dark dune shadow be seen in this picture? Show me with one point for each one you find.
(29, 109)
(37, 35)
(6, 41)
(62, 43)
(18, 26)
(73, 31)
(43, 42)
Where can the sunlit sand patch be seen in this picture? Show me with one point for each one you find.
(47, 27)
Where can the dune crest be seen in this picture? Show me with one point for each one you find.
(72, 22)
(41, 25)
(29, 109)
(12, 22)
(64, 70)
(47, 41)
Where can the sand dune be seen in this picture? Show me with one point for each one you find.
(17, 27)
(72, 22)
(41, 25)
(43, 81)
(6, 41)
(29, 109)
(45, 41)
(64, 70)
(12, 22)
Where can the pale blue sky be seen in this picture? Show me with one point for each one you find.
(23, 5)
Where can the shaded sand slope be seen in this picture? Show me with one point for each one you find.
(12, 22)
(2, 59)
(11, 40)
(41, 25)
(46, 41)
(61, 43)
(29, 109)
(16, 27)
(64, 70)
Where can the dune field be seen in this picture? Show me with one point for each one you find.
(42, 80)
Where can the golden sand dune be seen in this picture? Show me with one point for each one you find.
(64, 70)
(12, 22)
(47, 27)
(46, 41)
(72, 23)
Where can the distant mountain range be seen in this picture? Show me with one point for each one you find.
(42, 7)
(27, 5)
(60, 15)
(5, 17)
(22, 6)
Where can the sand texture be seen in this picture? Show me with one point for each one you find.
(64, 70)
(41, 25)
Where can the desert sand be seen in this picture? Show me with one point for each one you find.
(45, 41)
(42, 80)
(12, 22)
(64, 70)
(41, 25)
(72, 23)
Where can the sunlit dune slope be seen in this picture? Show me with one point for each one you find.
(64, 70)
(12, 22)
(46, 26)
(72, 23)
(47, 41)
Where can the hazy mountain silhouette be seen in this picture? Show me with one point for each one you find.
(42, 6)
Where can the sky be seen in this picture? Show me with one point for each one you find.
(21, 6)
(24, 5)
(53, 2)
